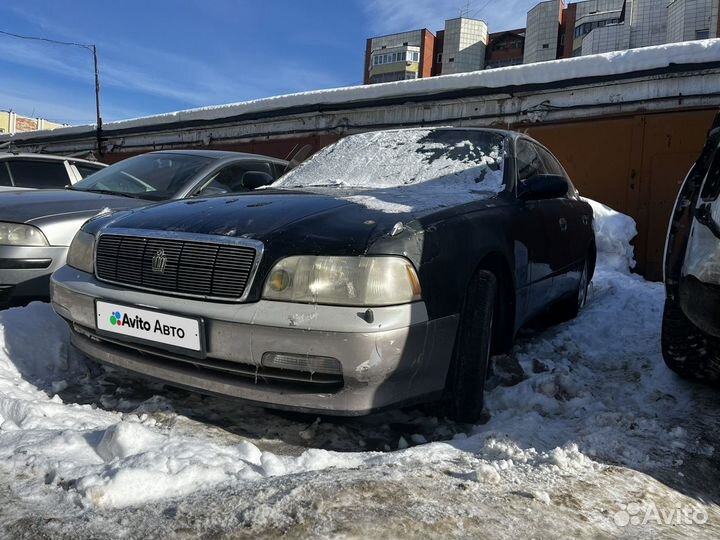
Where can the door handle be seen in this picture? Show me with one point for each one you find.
(563, 224)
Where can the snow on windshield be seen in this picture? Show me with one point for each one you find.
(406, 170)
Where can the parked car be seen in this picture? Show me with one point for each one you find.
(42, 171)
(36, 227)
(382, 271)
(691, 319)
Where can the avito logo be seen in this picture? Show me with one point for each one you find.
(138, 323)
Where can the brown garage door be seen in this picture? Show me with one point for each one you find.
(633, 164)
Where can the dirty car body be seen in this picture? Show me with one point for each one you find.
(339, 289)
(37, 226)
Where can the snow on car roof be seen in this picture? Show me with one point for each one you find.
(607, 64)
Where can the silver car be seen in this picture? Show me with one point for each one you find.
(36, 227)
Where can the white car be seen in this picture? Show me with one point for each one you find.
(691, 320)
(42, 171)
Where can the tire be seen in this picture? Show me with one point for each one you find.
(471, 355)
(687, 350)
(569, 308)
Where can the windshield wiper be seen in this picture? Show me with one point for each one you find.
(316, 185)
(110, 192)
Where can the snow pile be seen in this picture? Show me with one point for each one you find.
(613, 233)
(599, 65)
(407, 170)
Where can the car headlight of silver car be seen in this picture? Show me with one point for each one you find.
(81, 252)
(18, 234)
(344, 281)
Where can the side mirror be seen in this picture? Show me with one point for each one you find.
(543, 186)
(255, 179)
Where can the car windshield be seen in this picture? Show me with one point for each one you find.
(405, 170)
(150, 176)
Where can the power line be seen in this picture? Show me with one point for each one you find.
(478, 10)
(55, 41)
(93, 50)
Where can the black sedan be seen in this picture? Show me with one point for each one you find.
(383, 271)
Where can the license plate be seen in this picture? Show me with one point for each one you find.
(147, 325)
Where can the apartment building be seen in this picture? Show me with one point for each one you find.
(554, 30)
(399, 57)
(460, 47)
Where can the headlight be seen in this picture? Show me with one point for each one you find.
(16, 234)
(80, 254)
(346, 281)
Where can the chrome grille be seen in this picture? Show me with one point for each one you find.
(191, 268)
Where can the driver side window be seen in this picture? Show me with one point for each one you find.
(528, 162)
(230, 179)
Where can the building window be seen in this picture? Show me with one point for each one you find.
(416, 57)
(405, 43)
(702, 34)
(439, 60)
(546, 45)
(451, 59)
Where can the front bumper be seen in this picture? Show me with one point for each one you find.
(399, 357)
(25, 272)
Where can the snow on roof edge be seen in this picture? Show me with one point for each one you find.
(605, 64)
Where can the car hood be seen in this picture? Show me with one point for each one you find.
(59, 213)
(258, 215)
(307, 222)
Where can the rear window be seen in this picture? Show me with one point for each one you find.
(38, 174)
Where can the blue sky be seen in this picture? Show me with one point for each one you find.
(159, 56)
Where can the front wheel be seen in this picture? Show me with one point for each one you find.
(687, 350)
(569, 308)
(471, 355)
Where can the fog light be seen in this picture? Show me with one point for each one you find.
(279, 280)
(302, 362)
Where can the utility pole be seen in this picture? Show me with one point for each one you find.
(92, 48)
(98, 117)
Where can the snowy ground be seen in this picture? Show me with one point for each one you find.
(588, 435)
